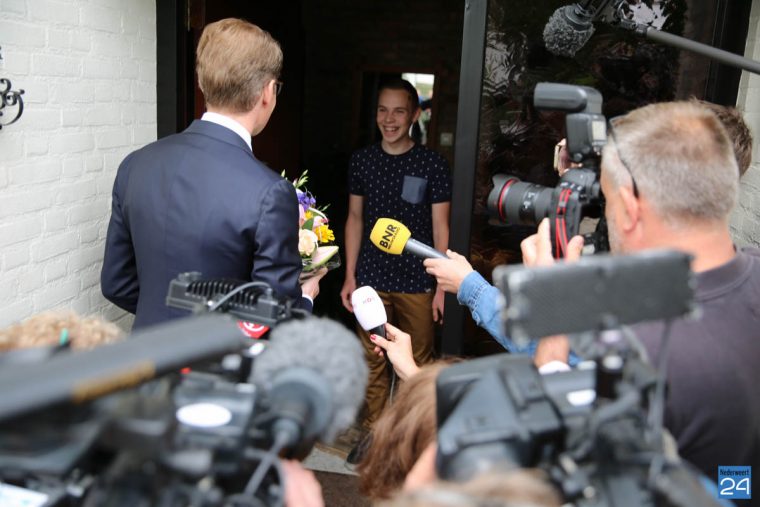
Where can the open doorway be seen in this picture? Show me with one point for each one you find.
(424, 84)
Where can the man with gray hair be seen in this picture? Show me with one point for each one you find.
(670, 180)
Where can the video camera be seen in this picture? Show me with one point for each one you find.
(578, 193)
(596, 430)
(128, 424)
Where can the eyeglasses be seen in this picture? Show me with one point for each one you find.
(611, 130)
(278, 87)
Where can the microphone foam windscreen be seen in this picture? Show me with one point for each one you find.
(390, 236)
(563, 38)
(368, 308)
(329, 349)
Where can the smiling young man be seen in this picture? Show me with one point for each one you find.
(397, 179)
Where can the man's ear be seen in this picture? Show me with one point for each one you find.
(267, 94)
(416, 115)
(631, 209)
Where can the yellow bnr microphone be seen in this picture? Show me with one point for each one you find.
(393, 237)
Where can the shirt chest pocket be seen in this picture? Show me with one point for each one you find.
(414, 189)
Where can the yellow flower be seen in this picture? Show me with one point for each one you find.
(309, 215)
(324, 234)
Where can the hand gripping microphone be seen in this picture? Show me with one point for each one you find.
(391, 236)
(369, 310)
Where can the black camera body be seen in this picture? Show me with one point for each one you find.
(578, 193)
(595, 430)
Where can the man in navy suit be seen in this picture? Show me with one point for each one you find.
(199, 200)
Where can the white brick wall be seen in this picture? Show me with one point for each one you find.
(88, 68)
(745, 221)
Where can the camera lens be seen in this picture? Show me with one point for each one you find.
(516, 202)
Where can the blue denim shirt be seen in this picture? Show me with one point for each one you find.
(482, 299)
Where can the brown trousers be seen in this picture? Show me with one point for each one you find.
(411, 313)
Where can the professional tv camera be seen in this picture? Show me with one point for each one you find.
(597, 430)
(127, 424)
(578, 194)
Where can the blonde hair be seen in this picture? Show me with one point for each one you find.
(515, 488)
(235, 61)
(51, 328)
(680, 157)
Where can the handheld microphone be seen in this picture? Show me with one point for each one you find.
(393, 237)
(312, 375)
(369, 310)
(570, 27)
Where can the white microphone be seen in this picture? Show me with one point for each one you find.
(369, 310)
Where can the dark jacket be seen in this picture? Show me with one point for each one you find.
(197, 201)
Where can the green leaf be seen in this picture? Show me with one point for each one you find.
(308, 225)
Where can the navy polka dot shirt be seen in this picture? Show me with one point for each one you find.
(403, 187)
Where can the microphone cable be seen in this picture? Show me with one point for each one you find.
(269, 459)
(237, 290)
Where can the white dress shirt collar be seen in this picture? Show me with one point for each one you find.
(227, 122)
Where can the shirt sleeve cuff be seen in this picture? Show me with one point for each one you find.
(303, 295)
(470, 288)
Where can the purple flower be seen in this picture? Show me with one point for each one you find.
(305, 199)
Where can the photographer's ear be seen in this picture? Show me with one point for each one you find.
(631, 209)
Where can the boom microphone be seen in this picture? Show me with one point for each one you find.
(369, 310)
(313, 375)
(393, 237)
(83, 376)
(568, 29)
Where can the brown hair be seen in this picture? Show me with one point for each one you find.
(738, 132)
(401, 433)
(404, 86)
(235, 61)
(519, 487)
(47, 328)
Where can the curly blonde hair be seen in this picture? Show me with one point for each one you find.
(51, 328)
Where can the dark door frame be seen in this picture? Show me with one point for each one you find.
(465, 157)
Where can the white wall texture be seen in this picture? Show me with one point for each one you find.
(745, 221)
(88, 69)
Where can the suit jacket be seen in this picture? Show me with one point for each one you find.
(197, 201)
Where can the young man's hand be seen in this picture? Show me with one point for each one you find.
(450, 272)
(349, 286)
(398, 348)
(438, 303)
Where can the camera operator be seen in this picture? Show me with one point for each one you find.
(670, 179)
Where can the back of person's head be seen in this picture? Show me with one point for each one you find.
(680, 158)
(402, 85)
(235, 61)
(401, 434)
(54, 328)
(517, 488)
(737, 129)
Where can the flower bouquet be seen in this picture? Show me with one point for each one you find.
(314, 234)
